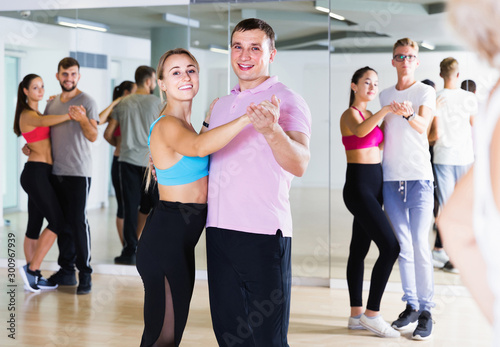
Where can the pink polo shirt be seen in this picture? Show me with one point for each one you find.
(248, 191)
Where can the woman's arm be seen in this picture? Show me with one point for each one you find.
(110, 130)
(103, 116)
(32, 118)
(362, 128)
(455, 226)
(188, 143)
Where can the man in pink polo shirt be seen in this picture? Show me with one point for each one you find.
(249, 225)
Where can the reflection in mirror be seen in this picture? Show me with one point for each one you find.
(138, 35)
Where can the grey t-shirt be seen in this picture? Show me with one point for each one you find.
(136, 113)
(70, 148)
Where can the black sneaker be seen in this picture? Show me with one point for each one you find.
(407, 319)
(63, 278)
(44, 283)
(424, 327)
(448, 267)
(125, 259)
(85, 283)
(30, 278)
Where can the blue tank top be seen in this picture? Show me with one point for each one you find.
(186, 170)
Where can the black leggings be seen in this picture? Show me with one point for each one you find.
(363, 198)
(115, 179)
(37, 181)
(134, 198)
(165, 261)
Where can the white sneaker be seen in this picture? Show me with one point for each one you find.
(439, 258)
(353, 324)
(378, 326)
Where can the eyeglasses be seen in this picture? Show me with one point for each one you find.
(402, 57)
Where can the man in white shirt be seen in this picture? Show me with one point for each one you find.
(408, 186)
(452, 132)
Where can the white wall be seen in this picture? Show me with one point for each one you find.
(44, 46)
(304, 72)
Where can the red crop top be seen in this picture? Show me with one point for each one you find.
(372, 139)
(117, 132)
(37, 134)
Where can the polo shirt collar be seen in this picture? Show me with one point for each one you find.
(261, 87)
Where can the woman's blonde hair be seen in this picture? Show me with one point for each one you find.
(159, 70)
(477, 22)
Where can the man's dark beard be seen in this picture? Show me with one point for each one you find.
(66, 89)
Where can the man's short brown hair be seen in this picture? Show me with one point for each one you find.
(68, 62)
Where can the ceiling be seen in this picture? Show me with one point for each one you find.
(370, 25)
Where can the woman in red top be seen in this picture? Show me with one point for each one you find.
(362, 193)
(36, 180)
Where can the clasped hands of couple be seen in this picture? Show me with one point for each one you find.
(77, 113)
(264, 116)
(404, 108)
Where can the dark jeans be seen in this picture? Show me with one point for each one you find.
(249, 278)
(74, 240)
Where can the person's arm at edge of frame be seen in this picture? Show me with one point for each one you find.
(291, 148)
(455, 226)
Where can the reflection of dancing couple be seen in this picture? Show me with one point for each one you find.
(57, 188)
(248, 219)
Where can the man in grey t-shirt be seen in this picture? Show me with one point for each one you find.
(135, 114)
(73, 169)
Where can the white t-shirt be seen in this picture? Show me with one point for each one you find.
(406, 152)
(454, 145)
(486, 217)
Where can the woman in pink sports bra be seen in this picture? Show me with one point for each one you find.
(36, 180)
(362, 193)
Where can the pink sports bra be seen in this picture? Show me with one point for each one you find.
(372, 139)
(37, 134)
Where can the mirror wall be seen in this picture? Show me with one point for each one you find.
(317, 55)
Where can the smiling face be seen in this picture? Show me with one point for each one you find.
(367, 87)
(68, 78)
(251, 55)
(405, 67)
(36, 90)
(180, 78)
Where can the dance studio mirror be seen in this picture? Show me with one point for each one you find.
(316, 58)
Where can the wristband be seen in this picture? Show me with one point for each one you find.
(410, 117)
(205, 124)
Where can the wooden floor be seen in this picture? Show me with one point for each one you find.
(112, 316)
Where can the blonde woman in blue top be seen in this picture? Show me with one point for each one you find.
(165, 254)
